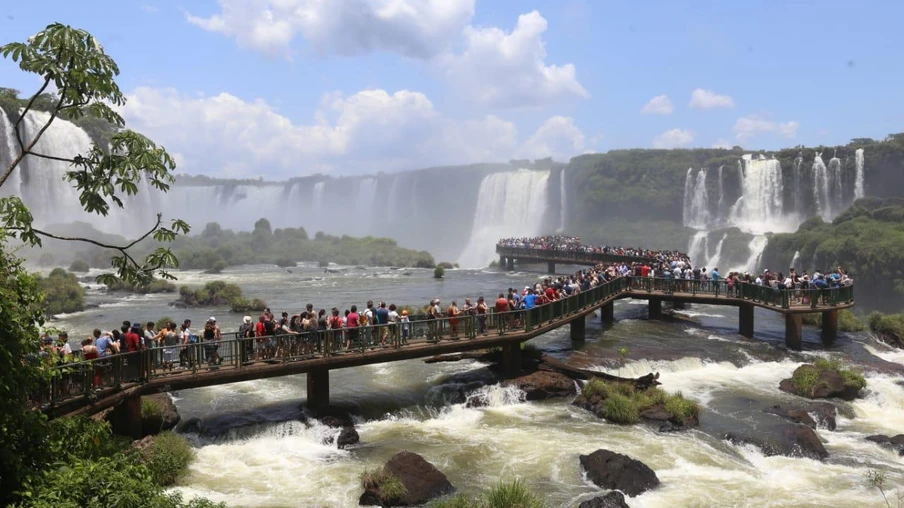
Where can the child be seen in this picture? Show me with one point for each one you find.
(405, 326)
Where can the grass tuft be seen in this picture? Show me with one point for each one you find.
(512, 495)
(168, 457)
(387, 486)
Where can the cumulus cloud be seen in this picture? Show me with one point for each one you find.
(413, 28)
(502, 70)
(721, 143)
(659, 105)
(673, 138)
(707, 99)
(369, 131)
(749, 126)
(558, 138)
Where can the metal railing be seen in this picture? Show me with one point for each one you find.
(566, 256)
(94, 379)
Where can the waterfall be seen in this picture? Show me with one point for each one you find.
(756, 247)
(798, 183)
(317, 202)
(698, 250)
(696, 200)
(509, 204)
(364, 204)
(714, 260)
(821, 187)
(760, 204)
(858, 168)
(720, 205)
(7, 138)
(795, 259)
(837, 189)
(562, 202)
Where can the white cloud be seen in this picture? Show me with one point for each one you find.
(707, 99)
(413, 28)
(721, 143)
(659, 105)
(369, 131)
(749, 126)
(558, 138)
(500, 69)
(673, 138)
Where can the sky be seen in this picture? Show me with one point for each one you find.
(286, 88)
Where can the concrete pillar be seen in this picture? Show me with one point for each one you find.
(607, 313)
(679, 305)
(318, 388)
(510, 264)
(578, 328)
(794, 331)
(655, 306)
(511, 359)
(551, 268)
(125, 419)
(745, 320)
(501, 261)
(829, 326)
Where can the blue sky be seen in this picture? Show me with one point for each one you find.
(289, 88)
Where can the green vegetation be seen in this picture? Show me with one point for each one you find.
(847, 321)
(79, 265)
(218, 294)
(387, 486)
(623, 403)
(502, 495)
(218, 267)
(879, 480)
(150, 407)
(154, 286)
(888, 327)
(168, 457)
(62, 292)
(867, 240)
(161, 323)
(439, 272)
(806, 378)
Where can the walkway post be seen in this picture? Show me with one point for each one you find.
(511, 359)
(510, 264)
(578, 329)
(125, 418)
(318, 388)
(551, 268)
(655, 305)
(607, 313)
(745, 320)
(829, 326)
(793, 331)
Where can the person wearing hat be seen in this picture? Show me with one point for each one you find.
(211, 339)
(405, 326)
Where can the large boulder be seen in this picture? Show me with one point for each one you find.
(421, 479)
(788, 439)
(156, 422)
(613, 499)
(818, 414)
(895, 443)
(544, 385)
(347, 436)
(612, 470)
(829, 384)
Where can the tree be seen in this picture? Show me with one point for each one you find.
(84, 76)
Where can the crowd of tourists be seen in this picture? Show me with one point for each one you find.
(566, 243)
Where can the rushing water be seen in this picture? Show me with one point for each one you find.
(256, 453)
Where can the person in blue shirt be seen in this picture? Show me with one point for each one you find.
(104, 343)
(530, 300)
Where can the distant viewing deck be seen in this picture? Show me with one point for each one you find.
(508, 256)
(119, 380)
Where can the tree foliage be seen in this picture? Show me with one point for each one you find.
(62, 292)
(84, 77)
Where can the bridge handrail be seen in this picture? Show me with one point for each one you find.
(567, 255)
(104, 376)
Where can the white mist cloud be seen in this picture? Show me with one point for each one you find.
(659, 105)
(707, 99)
(749, 126)
(673, 138)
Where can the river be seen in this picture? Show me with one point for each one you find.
(256, 453)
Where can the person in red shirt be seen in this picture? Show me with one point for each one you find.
(550, 293)
(133, 341)
(351, 322)
(502, 305)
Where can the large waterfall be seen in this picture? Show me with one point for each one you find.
(858, 169)
(696, 200)
(509, 204)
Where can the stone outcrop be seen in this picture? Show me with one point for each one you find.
(829, 384)
(542, 385)
(819, 414)
(894, 443)
(167, 419)
(787, 439)
(612, 470)
(348, 436)
(613, 499)
(421, 479)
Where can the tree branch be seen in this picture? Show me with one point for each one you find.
(34, 141)
(51, 157)
(26, 110)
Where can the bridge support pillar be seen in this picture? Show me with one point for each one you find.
(829, 326)
(793, 331)
(502, 262)
(511, 359)
(679, 305)
(510, 264)
(655, 306)
(578, 329)
(551, 268)
(745, 320)
(607, 313)
(125, 419)
(318, 388)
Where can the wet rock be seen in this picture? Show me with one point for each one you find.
(612, 470)
(613, 499)
(788, 439)
(340, 420)
(337, 421)
(829, 384)
(820, 414)
(421, 479)
(895, 443)
(143, 444)
(190, 426)
(166, 419)
(349, 436)
(542, 385)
